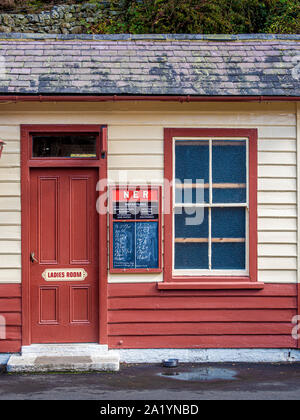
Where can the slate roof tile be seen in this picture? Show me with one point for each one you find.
(151, 64)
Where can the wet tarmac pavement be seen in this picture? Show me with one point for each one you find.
(154, 382)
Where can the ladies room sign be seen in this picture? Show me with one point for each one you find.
(78, 274)
(135, 229)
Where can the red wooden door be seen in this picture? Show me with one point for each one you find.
(64, 240)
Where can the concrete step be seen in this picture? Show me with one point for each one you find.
(64, 357)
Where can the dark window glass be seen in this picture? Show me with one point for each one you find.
(191, 225)
(212, 235)
(64, 146)
(191, 256)
(228, 238)
(229, 171)
(192, 171)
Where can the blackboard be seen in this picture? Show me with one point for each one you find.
(146, 252)
(124, 245)
(136, 245)
(135, 229)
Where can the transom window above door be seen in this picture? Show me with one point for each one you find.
(66, 145)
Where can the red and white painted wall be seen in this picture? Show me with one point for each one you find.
(154, 310)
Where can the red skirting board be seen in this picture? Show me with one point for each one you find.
(10, 308)
(141, 316)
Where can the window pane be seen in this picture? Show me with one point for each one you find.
(191, 239)
(192, 170)
(191, 256)
(229, 256)
(192, 195)
(228, 238)
(65, 146)
(191, 223)
(229, 171)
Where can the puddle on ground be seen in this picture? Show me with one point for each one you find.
(202, 374)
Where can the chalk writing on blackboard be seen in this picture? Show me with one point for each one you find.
(124, 245)
(135, 245)
(146, 245)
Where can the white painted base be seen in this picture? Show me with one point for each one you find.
(4, 358)
(210, 355)
(93, 357)
(64, 357)
(74, 349)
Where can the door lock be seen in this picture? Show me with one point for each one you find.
(32, 258)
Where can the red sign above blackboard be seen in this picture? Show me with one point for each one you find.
(135, 204)
(133, 194)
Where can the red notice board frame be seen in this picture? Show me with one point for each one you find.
(111, 221)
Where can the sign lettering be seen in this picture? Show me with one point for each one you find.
(77, 274)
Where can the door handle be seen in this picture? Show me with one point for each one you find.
(32, 258)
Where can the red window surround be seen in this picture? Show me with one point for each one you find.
(211, 282)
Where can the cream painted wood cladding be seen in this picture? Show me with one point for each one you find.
(135, 148)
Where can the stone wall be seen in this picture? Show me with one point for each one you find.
(62, 19)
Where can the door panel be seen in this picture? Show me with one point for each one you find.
(64, 237)
(80, 304)
(79, 232)
(48, 220)
(48, 305)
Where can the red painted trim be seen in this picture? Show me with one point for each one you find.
(164, 98)
(252, 173)
(25, 236)
(209, 285)
(28, 162)
(169, 134)
(103, 286)
(128, 290)
(111, 221)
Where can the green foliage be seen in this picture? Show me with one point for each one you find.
(35, 5)
(181, 16)
(201, 16)
(285, 17)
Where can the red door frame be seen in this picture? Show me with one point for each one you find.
(27, 162)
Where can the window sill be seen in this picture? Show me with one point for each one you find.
(210, 285)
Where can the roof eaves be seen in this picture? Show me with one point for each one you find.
(150, 37)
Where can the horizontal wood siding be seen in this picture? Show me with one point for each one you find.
(138, 150)
(140, 316)
(10, 309)
(135, 150)
(10, 208)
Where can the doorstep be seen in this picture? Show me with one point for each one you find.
(64, 358)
